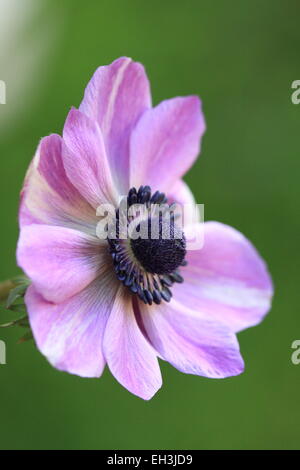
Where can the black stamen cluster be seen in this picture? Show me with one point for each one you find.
(158, 260)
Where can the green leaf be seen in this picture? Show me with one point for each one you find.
(18, 280)
(7, 325)
(20, 308)
(15, 294)
(23, 321)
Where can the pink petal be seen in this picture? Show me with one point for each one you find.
(60, 261)
(85, 159)
(181, 194)
(129, 356)
(166, 142)
(48, 196)
(227, 279)
(70, 334)
(192, 342)
(116, 97)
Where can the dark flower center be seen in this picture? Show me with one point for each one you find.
(147, 262)
(163, 254)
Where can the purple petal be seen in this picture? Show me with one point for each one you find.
(60, 261)
(85, 159)
(227, 279)
(48, 196)
(129, 356)
(181, 194)
(166, 142)
(116, 97)
(70, 334)
(192, 342)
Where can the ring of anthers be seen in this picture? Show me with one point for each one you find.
(148, 266)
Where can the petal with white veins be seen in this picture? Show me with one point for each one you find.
(191, 341)
(129, 356)
(60, 261)
(48, 196)
(85, 160)
(70, 334)
(116, 97)
(166, 142)
(227, 279)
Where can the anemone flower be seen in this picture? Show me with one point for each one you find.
(126, 303)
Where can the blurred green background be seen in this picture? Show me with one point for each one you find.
(241, 57)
